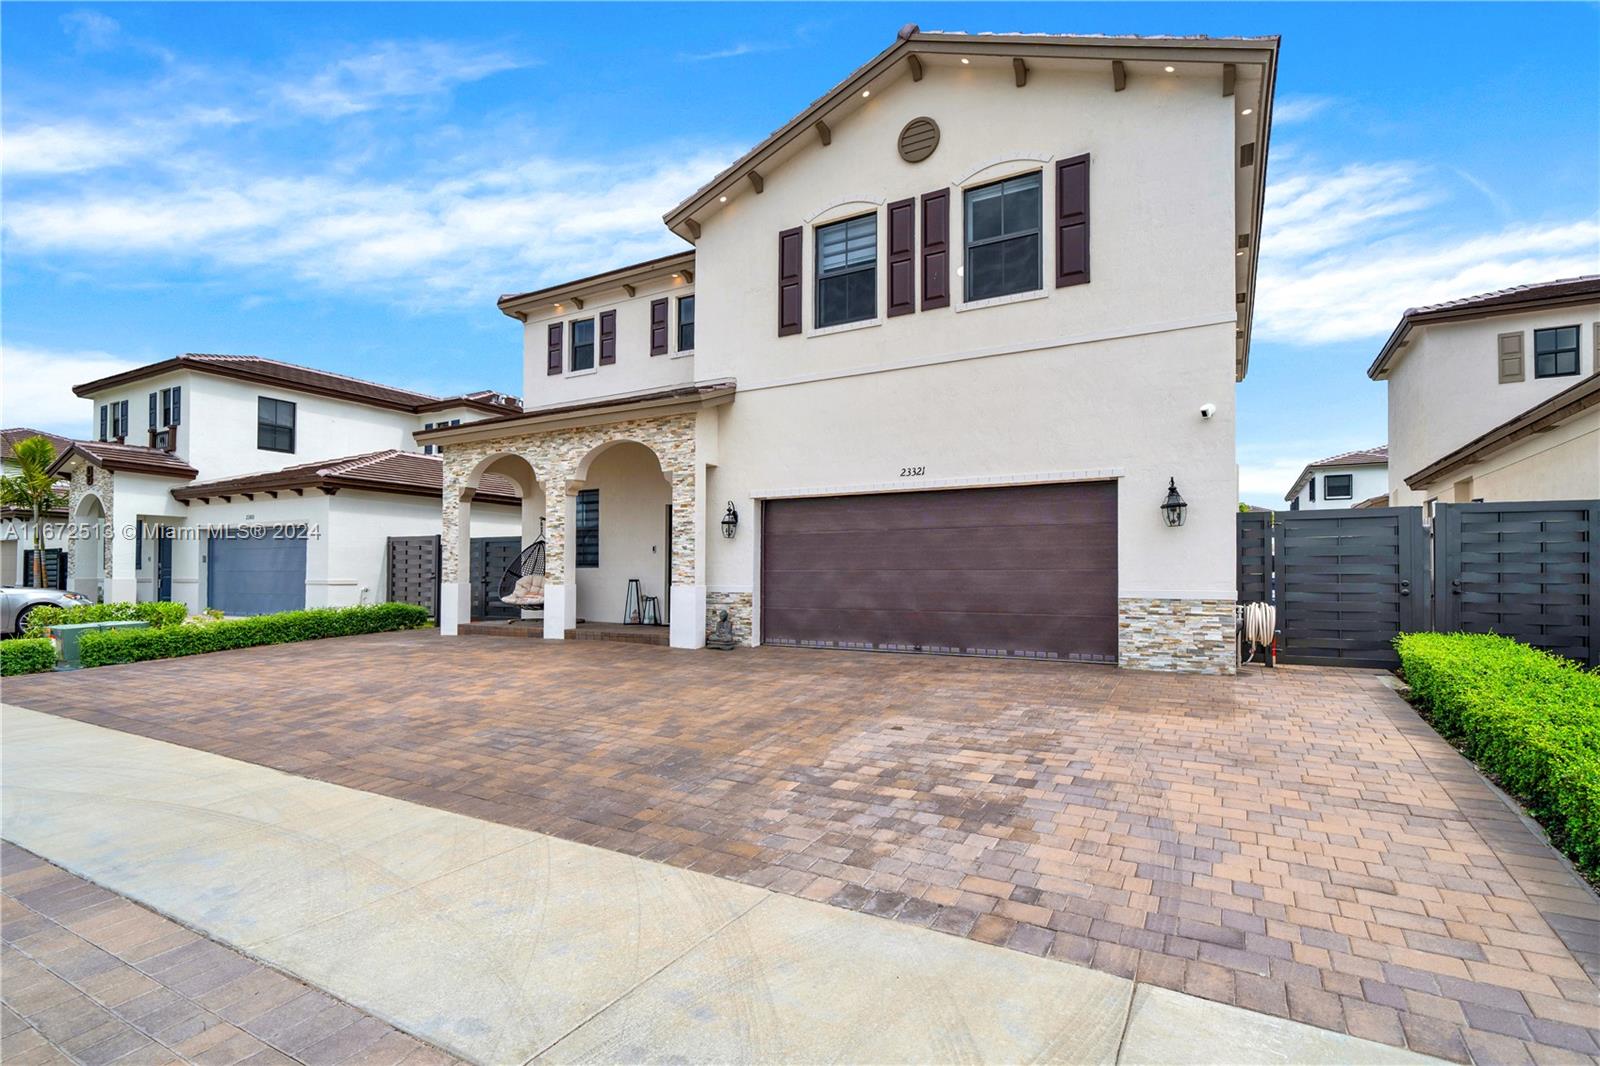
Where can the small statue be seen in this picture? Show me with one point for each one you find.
(722, 638)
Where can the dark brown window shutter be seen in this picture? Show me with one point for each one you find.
(935, 249)
(1072, 221)
(789, 282)
(658, 327)
(902, 257)
(553, 363)
(608, 337)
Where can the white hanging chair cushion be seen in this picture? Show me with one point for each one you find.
(528, 590)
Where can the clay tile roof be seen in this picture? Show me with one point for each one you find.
(10, 437)
(257, 369)
(1501, 301)
(1362, 457)
(390, 470)
(133, 458)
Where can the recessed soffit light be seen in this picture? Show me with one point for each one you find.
(1172, 70)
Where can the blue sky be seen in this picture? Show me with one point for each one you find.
(351, 186)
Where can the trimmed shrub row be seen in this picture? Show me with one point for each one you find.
(156, 614)
(1530, 719)
(27, 656)
(138, 645)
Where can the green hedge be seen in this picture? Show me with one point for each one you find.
(1530, 719)
(137, 645)
(27, 656)
(157, 614)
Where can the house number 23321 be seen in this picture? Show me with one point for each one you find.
(913, 471)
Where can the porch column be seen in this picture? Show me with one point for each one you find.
(560, 595)
(455, 543)
(186, 567)
(688, 629)
(122, 549)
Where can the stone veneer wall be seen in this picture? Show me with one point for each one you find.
(555, 456)
(1189, 636)
(741, 612)
(77, 489)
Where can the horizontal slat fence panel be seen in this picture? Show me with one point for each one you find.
(414, 572)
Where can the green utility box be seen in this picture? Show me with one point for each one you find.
(67, 637)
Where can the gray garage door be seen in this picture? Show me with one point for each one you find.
(254, 572)
(1029, 571)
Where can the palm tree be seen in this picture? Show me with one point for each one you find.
(33, 488)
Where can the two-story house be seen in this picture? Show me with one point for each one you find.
(1349, 479)
(18, 535)
(1496, 397)
(949, 368)
(251, 485)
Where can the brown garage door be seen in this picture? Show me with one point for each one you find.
(1026, 571)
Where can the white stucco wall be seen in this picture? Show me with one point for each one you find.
(633, 533)
(1561, 464)
(1366, 482)
(635, 369)
(1103, 379)
(1444, 390)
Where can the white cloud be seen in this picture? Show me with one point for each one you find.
(392, 70)
(462, 235)
(1288, 110)
(78, 146)
(91, 31)
(1264, 482)
(743, 48)
(1346, 251)
(37, 386)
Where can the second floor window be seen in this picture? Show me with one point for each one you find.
(1002, 224)
(587, 545)
(1338, 486)
(119, 420)
(583, 344)
(686, 323)
(847, 271)
(1555, 352)
(172, 406)
(274, 425)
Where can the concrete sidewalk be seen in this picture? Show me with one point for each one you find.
(504, 946)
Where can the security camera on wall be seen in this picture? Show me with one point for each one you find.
(1208, 410)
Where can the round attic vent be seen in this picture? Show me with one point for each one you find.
(919, 139)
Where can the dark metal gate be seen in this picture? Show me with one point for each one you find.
(490, 558)
(414, 572)
(1523, 570)
(55, 568)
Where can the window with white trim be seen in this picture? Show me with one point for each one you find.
(847, 271)
(1003, 223)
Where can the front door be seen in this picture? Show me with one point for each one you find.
(164, 563)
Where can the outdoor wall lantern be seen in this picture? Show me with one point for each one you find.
(1173, 509)
(730, 521)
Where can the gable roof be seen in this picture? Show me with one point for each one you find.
(609, 279)
(263, 371)
(134, 458)
(1547, 414)
(912, 44)
(390, 470)
(1515, 300)
(10, 437)
(1378, 456)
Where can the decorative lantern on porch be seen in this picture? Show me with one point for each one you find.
(730, 521)
(1173, 508)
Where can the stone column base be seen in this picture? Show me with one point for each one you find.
(688, 628)
(560, 611)
(741, 612)
(1180, 635)
(455, 607)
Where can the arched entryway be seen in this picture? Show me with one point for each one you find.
(500, 511)
(89, 547)
(620, 531)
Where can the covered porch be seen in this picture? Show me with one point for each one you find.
(616, 489)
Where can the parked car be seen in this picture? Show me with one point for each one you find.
(17, 603)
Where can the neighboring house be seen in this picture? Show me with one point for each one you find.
(251, 485)
(1495, 397)
(16, 524)
(903, 394)
(1350, 479)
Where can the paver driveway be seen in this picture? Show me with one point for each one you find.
(1294, 842)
